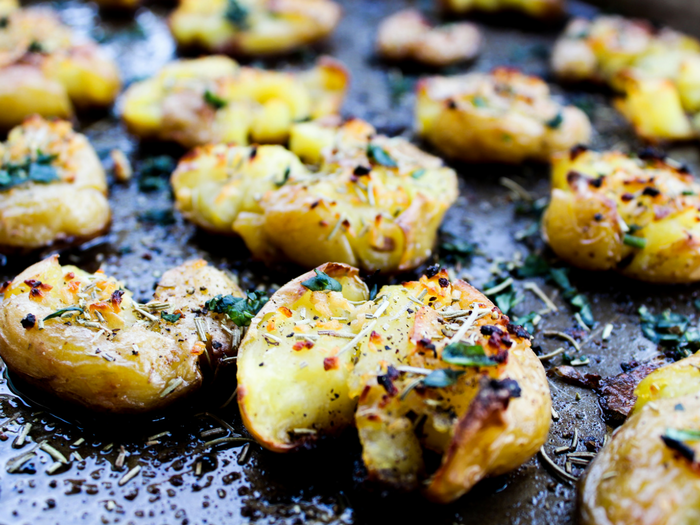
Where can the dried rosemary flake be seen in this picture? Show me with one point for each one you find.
(55, 454)
(130, 475)
(172, 385)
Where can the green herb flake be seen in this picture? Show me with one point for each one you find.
(378, 155)
(239, 309)
(555, 122)
(237, 14)
(4, 22)
(39, 171)
(35, 47)
(214, 100)
(163, 217)
(154, 173)
(441, 378)
(635, 242)
(462, 354)
(59, 313)
(322, 282)
(417, 174)
(479, 102)
(458, 249)
(285, 177)
(683, 434)
(171, 318)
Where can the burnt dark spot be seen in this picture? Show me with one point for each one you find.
(598, 217)
(361, 170)
(626, 197)
(314, 204)
(444, 283)
(451, 104)
(597, 183)
(431, 271)
(489, 329)
(253, 152)
(573, 176)
(577, 150)
(518, 331)
(680, 447)
(29, 321)
(651, 192)
(650, 153)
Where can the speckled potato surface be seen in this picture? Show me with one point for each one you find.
(213, 100)
(638, 478)
(638, 216)
(315, 362)
(253, 27)
(72, 205)
(656, 70)
(46, 69)
(502, 116)
(371, 201)
(107, 354)
(534, 8)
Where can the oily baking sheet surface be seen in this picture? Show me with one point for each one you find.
(183, 481)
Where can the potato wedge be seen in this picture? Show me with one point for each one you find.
(637, 215)
(545, 9)
(375, 202)
(107, 352)
(44, 69)
(213, 100)
(321, 352)
(407, 35)
(52, 187)
(504, 116)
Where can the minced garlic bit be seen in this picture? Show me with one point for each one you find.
(122, 167)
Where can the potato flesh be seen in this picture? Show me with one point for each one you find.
(64, 74)
(139, 366)
(585, 224)
(245, 104)
(269, 27)
(34, 214)
(535, 8)
(274, 402)
(503, 116)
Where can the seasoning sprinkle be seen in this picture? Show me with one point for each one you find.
(245, 453)
(232, 440)
(557, 469)
(54, 467)
(543, 296)
(55, 454)
(19, 442)
(556, 352)
(607, 331)
(130, 475)
(172, 385)
(200, 326)
(334, 333)
(562, 335)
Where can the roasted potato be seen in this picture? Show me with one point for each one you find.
(83, 338)
(253, 27)
(546, 9)
(637, 215)
(425, 365)
(657, 72)
(45, 69)
(375, 202)
(52, 187)
(504, 116)
(648, 473)
(407, 35)
(7, 6)
(214, 100)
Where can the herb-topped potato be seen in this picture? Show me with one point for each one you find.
(253, 27)
(372, 201)
(535, 8)
(635, 214)
(407, 35)
(321, 356)
(503, 116)
(656, 70)
(649, 473)
(45, 69)
(214, 100)
(52, 187)
(83, 338)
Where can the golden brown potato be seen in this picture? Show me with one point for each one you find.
(214, 100)
(636, 215)
(534, 8)
(407, 35)
(52, 187)
(44, 69)
(7, 6)
(106, 351)
(648, 473)
(504, 116)
(657, 72)
(425, 365)
(374, 201)
(253, 27)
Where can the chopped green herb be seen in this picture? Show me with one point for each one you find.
(417, 174)
(40, 171)
(154, 173)
(380, 156)
(239, 309)
(506, 301)
(399, 85)
(555, 122)
(533, 266)
(59, 313)
(4, 22)
(164, 216)
(171, 318)
(479, 102)
(441, 378)
(214, 100)
(457, 249)
(689, 193)
(285, 178)
(670, 330)
(35, 47)
(322, 282)
(635, 242)
(466, 355)
(237, 14)
(506, 137)
(683, 434)
(527, 321)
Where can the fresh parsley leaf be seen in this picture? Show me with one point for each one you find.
(506, 301)
(533, 266)
(441, 378)
(214, 100)
(322, 282)
(378, 155)
(555, 122)
(670, 330)
(154, 173)
(171, 318)
(417, 174)
(239, 309)
(463, 354)
(237, 14)
(39, 170)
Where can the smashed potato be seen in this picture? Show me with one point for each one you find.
(535, 8)
(504, 116)
(374, 201)
(52, 187)
(407, 35)
(425, 365)
(45, 69)
(83, 338)
(656, 70)
(649, 473)
(214, 100)
(637, 215)
(253, 27)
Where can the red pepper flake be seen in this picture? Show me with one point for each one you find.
(32, 283)
(5, 286)
(36, 293)
(69, 276)
(285, 311)
(375, 338)
(330, 363)
(116, 299)
(300, 345)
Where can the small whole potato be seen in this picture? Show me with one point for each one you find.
(253, 27)
(52, 187)
(45, 69)
(502, 116)
(322, 356)
(373, 201)
(213, 100)
(545, 9)
(83, 338)
(634, 214)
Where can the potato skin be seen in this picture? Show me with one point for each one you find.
(504, 116)
(596, 196)
(128, 371)
(536, 8)
(33, 215)
(64, 74)
(256, 105)
(292, 391)
(270, 27)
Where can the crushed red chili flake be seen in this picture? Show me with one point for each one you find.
(330, 363)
